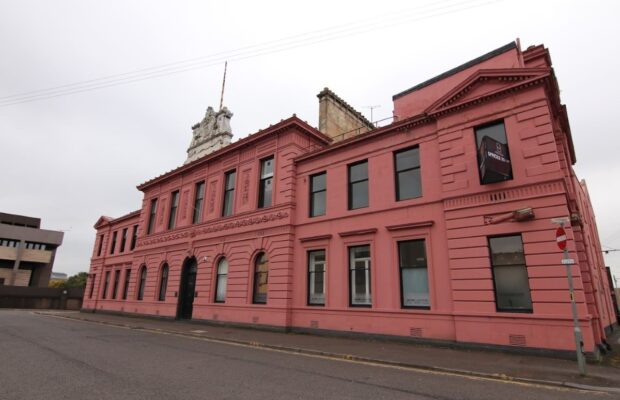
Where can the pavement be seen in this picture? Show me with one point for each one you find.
(601, 376)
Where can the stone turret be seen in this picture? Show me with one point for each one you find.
(210, 134)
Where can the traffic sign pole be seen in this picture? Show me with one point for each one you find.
(581, 361)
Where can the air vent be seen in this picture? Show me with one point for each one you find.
(516, 340)
(254, 320)
(314, 324)
(415, 332)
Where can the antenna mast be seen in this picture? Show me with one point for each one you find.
(223, 84)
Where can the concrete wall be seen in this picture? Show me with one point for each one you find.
(40, 298)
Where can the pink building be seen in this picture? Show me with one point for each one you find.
(436, 226)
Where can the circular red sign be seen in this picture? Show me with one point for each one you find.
(560, 238)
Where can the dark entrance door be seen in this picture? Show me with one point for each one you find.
(188, 289)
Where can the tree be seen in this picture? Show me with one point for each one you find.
(76, 281)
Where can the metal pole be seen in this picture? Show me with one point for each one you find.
(581, 361)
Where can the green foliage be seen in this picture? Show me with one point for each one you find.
(76, 281)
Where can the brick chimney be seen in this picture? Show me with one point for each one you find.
(338, 120)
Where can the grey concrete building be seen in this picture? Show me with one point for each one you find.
(26, 251)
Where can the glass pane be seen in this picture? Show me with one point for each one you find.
(316, 256)
(266, 168)
(230, 180)
(409, 185)
(415, 287)
(408, 159)
(220, 294)
(512, 288)
(318, 203)
(266, 191)
(358, 172)
(412, 253)
(228, 202)
(495, 131)
(359, 194)
(222, 267)
(507, 250)
(318, 182)
(360, 288)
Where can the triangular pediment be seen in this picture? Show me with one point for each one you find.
(103, 220)
(485, 84)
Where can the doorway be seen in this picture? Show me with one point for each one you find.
(188, 289)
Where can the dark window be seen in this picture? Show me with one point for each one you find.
(265, 189)
(163, 283)
(407, 166)
(2, 283)
(142, 283)
(359, 276)
(117, 276)
(221, 280)
(318, 194)
(493, 155)
(105, 285)
(358, 185)
(261, 272)
(198, 200)
(126, 286)
(113, 242)
(92, 286)
(316, 277)
(152, 213)
(174, 205)
(134, 237)
(100, 247)
(123, 240)
(229, 193)
(512, 288)
(413, 274)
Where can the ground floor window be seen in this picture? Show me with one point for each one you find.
(316, 277)
(92, 285)
(126, 286)
(413, 273)
(163, 284)
(261, 271)
(221, 281)
(359, 275)
(142, 283)
(512, 289)
(117, 275)
(105, 284)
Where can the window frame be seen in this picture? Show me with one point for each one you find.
(262, 181)
(227, 190)
(152, 217)
(106, 283)
(218, 275)
(163, 282)
(397, 172)
(92, 286)
(350, 184)
(126, 286)
(174, 206)
(400, 274)
(369, 274)
(141, 283)
(114, 235)
(313, 192)
(256, 281)
(310, 274)
(117, 277)
(123, 240)
(477, 147)
(199, 196)
(134, 237)
(100, 247)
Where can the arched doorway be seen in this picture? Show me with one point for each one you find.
(188, 289)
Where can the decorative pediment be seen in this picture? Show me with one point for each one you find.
(103, 220)
(485, 84)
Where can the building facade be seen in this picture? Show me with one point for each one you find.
(436, 226)
(27, 252)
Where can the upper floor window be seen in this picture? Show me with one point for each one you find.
(261, 272)
(117, 275)
(152, 213)
(318, 194)
(229, 193)
(126, 285)
(163, 283)
(359, 276)
(316, 277)
(174, 205)
(358, 185)
(100, 246)
(512, 288)
(142, 283)
(113, 242)
(198, 200)
(407, 167)
(265, 189)
(134, 237)
(493, 156)
(220, 281)
(413, 274)
(123, 240)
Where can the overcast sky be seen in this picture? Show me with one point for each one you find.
(71, 158)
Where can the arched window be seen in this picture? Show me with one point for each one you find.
(163, 283)
(220, 282)
(261, 270)
(142, 283)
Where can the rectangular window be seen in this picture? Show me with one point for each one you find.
(123, 240)
(126, 286)
(113, 242)
(152, 213)
(117, 277)
(316, 277)
(229, 193)
(512, 288)
(493, 156)
(407, 167)
(134, 237)
(174, 205)
(198, 200)
(318, 194)
(265, 189)
(413, 274)
(358, 185)
(105, 284)
(92, 286)
(100, 247)
(359, 276)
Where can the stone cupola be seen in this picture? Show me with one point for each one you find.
(210, 134)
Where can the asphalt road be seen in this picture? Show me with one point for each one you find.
(43, 357)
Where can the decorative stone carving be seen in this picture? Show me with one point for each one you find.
(211, 134)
